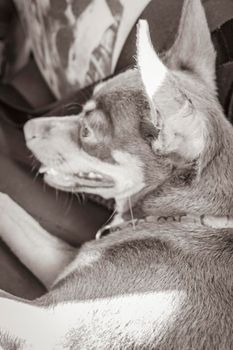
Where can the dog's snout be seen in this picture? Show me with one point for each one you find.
(36, 128)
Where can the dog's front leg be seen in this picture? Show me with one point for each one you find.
(42, 253)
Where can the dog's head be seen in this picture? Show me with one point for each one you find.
(140, 126)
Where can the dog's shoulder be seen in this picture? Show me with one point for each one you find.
(143, 251)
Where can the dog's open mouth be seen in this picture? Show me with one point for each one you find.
(80, 179)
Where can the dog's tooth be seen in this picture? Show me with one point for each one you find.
(52, 171)
(43, 169)
(96, 175)
(92, 175)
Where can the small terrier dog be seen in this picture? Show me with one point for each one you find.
(155, 139)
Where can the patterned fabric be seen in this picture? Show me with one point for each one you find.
(77, 42)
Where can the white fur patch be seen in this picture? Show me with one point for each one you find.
(135, 317)
(28, 323)
(93, 323)
(152, 69)
(89, 106)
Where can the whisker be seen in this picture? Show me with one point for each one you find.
(33, 168)
(70, 200)
(131, 213)
(80, 195)
(56, 194)
(77, 195)
(108, 220)
(44, 187)
(31, 156)
(111, 217)
(36, 176)
(83, 197)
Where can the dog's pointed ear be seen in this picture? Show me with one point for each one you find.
(183, 135)
(152, 70)
(193, 49)
(182, 128)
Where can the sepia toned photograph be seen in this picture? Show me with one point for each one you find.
(116, 175)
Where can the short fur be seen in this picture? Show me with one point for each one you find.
(163, 150)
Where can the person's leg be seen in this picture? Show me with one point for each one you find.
(45, 255)
(15, 277)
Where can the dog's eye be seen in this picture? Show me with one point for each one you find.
(148, 131)
(85, 132)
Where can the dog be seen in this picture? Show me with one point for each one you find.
(156, 140)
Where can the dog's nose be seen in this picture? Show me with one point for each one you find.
(30, 130)
(37, 128)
